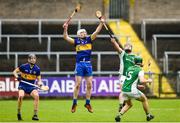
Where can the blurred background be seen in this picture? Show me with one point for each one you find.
(35, 26)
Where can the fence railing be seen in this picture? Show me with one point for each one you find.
(49, 40)
(39, 23)
(49, 37)
(150, 20)
(58, 54)
(166, 59)
(155, 40)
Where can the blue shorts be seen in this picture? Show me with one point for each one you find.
(27, 88)
(83, 69)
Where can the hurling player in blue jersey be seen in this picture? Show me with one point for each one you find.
(28, 72)
(83, 46)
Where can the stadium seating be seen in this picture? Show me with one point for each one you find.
(31, 44)
(163, 44)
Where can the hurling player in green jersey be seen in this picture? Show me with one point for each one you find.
(126, 60)
(134, 75)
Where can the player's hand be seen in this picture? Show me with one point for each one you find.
(18, 79)
(149, 80)
(141, 87)
(102, 20)
(40, 84)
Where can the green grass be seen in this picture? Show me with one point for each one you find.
(104, 111)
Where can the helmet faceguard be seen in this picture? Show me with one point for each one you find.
(81, 33)
(32, 59)
(128, 48)
(138, 61)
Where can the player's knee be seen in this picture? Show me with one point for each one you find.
(89, 86)
(144, 98)
(77, 86)
(21, 97)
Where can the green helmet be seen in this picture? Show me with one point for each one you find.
(138, 60)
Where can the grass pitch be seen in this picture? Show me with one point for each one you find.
(104, 111)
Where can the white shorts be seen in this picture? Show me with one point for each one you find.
(131, 95)
(122, 79)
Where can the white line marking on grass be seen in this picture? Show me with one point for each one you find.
(158, 109)
(140, 108)
(88, 122)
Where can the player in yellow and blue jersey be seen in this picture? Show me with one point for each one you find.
(83, 46)
(28, 72)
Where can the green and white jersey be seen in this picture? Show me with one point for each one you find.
(126, 61)
(132, 78)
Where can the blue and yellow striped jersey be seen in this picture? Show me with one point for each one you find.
(83, 49)
(29, 74)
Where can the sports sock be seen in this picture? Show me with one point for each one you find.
(74, 101)
(123, 104)
(120, 114)
(120, 106)
(87, 101)
(19, 111)
(35, 112)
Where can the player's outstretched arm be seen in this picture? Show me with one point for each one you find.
(66, 36)
(98, 29)
(116, 45)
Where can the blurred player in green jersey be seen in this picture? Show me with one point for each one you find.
(126, 60)
(134, 75)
